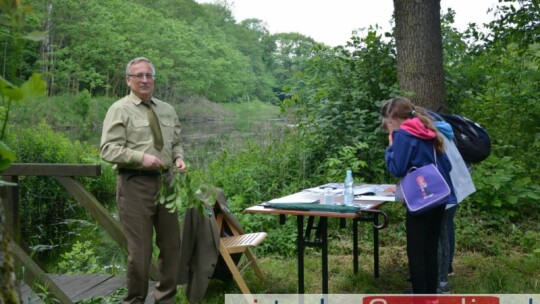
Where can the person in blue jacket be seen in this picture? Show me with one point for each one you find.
(414, 142)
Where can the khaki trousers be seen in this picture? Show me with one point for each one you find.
(140, 215)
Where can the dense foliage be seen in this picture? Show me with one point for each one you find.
(198, 49)
(331, 102)
(492, 79)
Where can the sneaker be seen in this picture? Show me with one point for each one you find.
(444, 288)
(450, 271)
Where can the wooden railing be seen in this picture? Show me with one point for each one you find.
(65, 174)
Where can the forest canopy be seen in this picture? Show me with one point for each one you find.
(198, 49)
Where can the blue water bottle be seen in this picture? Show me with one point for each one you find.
(348, 185)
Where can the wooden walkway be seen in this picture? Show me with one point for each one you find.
(83, 286)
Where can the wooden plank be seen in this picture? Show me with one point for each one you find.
(75, 284)
(34, 275)
(103, 288)
(84, 286)
(29, 169)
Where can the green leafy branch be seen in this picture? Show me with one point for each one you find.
(12, 16)
(185, 190)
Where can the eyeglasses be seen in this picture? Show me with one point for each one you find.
(141, 76)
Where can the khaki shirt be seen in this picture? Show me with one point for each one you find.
(126, 134)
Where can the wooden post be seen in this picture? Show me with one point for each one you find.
(10, 201)
(9, 291)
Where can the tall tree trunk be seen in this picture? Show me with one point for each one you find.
(46, 51)
(419, 51)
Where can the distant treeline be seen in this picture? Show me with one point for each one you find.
(198, 49)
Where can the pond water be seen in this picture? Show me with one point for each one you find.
(203, 140)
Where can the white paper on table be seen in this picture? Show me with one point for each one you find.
(299, 198)
(364, 189)
(383, 198)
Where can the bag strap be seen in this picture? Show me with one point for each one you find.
(435, 156)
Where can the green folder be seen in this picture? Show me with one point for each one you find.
(314, 207)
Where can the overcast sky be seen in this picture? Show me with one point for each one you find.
(332, 22)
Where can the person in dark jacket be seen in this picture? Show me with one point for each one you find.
(414, 142)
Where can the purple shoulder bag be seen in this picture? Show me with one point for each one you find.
(424, 188)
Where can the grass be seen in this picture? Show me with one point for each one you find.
(513, 268)
(493, 256)
(474, 274)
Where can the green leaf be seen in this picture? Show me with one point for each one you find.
(7, 157)
(35, 35)
(13, 93)
(178, 202)
(533, 195)
(34, 86)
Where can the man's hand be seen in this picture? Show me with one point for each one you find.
(180, 165)
(152, 162)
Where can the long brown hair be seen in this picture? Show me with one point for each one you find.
(402, 108)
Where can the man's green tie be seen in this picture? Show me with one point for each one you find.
(154, 126)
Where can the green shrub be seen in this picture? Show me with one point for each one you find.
(504, 187)
(260, 172)
(45, 205)
(81, 259)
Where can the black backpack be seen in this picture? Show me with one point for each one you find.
(471, 139)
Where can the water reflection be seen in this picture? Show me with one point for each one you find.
(201, 131)
(204, 140)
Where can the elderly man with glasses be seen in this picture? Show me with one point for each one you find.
(141, 138)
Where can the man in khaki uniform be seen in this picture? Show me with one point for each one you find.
(141, 137)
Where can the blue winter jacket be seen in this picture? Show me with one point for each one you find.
(409, 151)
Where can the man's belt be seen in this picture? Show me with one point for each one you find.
(135, 172)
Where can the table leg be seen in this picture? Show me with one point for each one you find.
(373, 218)
(376, 245)
(301, 243)
(323, 223)
(355, 246)
(300, 251)
(282, 219)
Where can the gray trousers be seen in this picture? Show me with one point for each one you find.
(446, 243)
(140, 215)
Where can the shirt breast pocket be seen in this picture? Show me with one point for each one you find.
(166, 122)
(139, 123)
(138, 131)
(167, 128)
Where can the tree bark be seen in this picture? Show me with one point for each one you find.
(419, 51)
(9, 290)
(46, 51)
